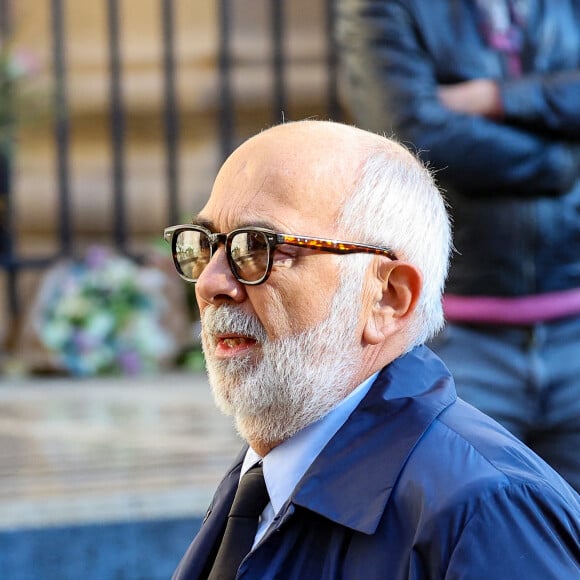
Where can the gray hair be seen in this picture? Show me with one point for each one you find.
(397, 204)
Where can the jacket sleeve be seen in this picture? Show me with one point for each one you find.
(391, 86)
(548, 102)
(520, 531)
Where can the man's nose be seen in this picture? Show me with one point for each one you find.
(217, 283)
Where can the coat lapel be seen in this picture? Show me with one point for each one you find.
(196, 558)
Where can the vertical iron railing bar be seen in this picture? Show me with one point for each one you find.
(226, 100)
(278, 61)
(61, 128)
(334, 109)
(171, 111)
(5, 19)
(117, 127)
(7, 257)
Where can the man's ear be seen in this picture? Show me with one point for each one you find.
(398, 287)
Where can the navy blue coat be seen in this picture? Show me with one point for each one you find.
(417, 484)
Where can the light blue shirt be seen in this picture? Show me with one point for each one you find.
(285, 465)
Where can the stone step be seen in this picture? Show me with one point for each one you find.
(78, 451)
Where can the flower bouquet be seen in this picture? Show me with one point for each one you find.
(106, 314)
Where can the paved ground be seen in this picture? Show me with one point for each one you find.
(109, 449)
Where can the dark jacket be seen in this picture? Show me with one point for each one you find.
(415, 485)
(514, 186)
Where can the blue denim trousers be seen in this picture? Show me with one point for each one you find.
(525, 377)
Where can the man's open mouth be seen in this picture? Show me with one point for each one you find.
(231, 344)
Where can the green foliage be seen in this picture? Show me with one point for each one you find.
(19, 101)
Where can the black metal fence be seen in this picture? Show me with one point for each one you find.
(11, 262)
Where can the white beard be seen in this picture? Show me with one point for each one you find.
(296, 381)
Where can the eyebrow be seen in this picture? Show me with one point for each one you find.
(210, 225)
(199, 221)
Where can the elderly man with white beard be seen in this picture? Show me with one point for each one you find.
(319, 263)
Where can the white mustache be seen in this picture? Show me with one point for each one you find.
(227, 319)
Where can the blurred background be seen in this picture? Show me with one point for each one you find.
(114, 118)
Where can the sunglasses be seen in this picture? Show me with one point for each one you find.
(250, 251)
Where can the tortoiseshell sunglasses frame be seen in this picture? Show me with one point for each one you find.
(274, 239)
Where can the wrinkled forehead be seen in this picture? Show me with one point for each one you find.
(293, 181)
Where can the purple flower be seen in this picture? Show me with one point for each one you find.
(130, 362)
(97, 257)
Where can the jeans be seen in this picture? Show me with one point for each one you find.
(525, 377)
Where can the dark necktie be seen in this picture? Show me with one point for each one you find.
(249, 502)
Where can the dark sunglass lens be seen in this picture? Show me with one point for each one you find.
(249, 254)
(192, 252)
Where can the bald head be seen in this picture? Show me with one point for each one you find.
(327, 139)
(309, 167)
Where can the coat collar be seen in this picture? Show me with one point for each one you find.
(350, 482)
